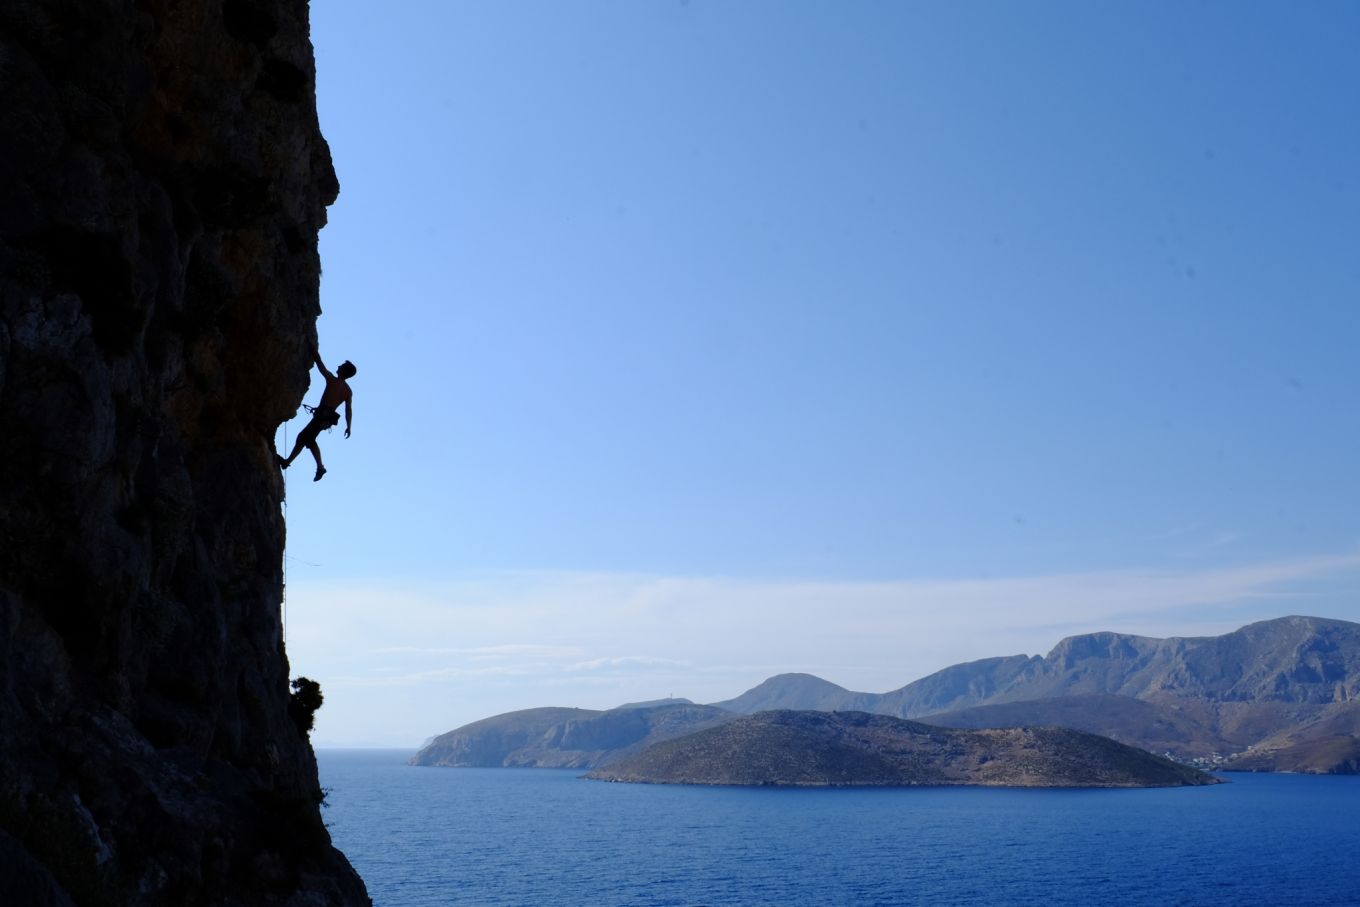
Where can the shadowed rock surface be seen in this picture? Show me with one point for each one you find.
(162, 182)
(1329, 744)
(814, 749)
(1152, 726)
(566, 738)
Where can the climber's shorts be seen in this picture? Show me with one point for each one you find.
(323, 417)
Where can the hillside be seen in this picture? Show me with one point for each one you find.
(566, 738)
(1329, 744)
(799, 691)
(817, 749)
(1156, 727)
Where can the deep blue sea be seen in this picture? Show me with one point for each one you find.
(435, 836)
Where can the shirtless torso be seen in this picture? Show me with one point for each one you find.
(337, 392)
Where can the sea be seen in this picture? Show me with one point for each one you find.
(423, 837)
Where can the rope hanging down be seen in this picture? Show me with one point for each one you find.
(283, 591)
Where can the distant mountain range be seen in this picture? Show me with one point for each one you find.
(1279, 695)
(1307, 660)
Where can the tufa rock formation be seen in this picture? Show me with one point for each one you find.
(162, 182)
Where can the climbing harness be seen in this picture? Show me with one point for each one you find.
(331, 416)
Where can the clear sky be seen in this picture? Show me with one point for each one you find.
(700, 341)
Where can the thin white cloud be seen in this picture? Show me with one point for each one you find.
(508, 650)
(387, 678)
(624, 661)
(1223, 539)
(1172, 532)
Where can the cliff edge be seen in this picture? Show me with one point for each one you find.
(162, 182)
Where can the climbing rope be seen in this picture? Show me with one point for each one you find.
(283, 592)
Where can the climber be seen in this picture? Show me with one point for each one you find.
(324, 415)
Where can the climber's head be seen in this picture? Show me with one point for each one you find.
(347, 370)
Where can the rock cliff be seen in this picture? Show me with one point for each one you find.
(1307, 660)
(162, 182)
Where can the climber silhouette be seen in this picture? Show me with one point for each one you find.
(324, 414)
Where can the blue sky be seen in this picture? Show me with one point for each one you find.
(700, 341)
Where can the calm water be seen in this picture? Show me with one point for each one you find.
(431, 836)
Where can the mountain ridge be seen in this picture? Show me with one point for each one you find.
(1129, 665)
(1224, 695)
(1260, 697)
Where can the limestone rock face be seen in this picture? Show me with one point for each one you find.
(162, 182)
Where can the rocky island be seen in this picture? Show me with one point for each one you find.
(858, 749)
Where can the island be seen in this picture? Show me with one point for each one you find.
(793, 748)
